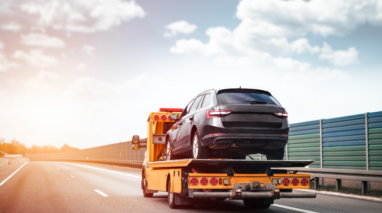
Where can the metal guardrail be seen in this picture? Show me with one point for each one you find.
(341, 174)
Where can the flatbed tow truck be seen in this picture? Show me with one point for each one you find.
(186, 180)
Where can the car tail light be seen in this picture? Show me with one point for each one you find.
(304, 181)
(286, 181)
(281, 114)
(216, 134)
(295, 181)
(213, 181)
(216, 113)
(163, 117)
(156, 117)
(203, 181)
(194, 181)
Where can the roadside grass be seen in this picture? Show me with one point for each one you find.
(331, 188)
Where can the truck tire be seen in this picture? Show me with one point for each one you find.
(253, 204)
(144, 186)
(171, 197)
(198, 151)
(277, 154)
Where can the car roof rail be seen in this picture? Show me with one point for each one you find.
(205, 91)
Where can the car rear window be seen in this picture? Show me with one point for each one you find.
(245, 98)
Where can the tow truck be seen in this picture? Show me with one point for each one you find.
(257, 182)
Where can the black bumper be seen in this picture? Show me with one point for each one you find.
(243, 141)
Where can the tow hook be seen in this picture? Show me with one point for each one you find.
(236, 193)
(276, 193)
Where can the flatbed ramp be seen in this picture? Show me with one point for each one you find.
(231, 162)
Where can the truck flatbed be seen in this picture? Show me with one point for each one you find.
(217, 162)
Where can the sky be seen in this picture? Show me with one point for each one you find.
(88, 72)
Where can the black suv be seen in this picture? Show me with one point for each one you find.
(230, 123)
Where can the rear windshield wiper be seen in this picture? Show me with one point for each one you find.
(260, 102)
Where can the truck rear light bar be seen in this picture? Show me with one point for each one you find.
(216, 113)
(286, 181)
(194, 181)
(170, 110)
(213, 181)
(203, 181)
(295, 181)
(304, 181)
(281, 114)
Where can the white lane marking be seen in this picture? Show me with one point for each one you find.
(13, 174)
(101, 193)
(292, 208)
(105, 170)
(71, 176)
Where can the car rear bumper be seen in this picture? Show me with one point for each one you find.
(243, 141)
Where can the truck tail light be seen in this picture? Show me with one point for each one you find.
(194, 181)
(286, 181)
(163, 117)
(304, 181)
(295, 181)
(216, 113)
(156, 117)
(220, 181)
(214, 181)
(203, 181)
(281, 114)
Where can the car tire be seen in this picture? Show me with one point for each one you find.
(168, 146)
(277, 154)
(198, 151)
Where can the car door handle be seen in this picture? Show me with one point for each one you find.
(191, 118)
(180, 124)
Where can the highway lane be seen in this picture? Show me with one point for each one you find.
(85, 187)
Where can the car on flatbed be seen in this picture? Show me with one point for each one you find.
(230, 123)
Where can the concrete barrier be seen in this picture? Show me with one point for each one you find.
(12, 161)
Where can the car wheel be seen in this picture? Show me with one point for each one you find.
(277, 154)
(168, 147)
(198, 151)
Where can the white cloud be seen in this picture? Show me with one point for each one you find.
(5, 64)
(42, 40)
(13, 27)
(81, 16)
(88, 50)
(81, 66)
(339, 57)
(36, 58)
(177, 27)
(295, 18)
(40, 81)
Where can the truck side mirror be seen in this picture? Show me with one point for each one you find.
(174, 117)
(135, 142)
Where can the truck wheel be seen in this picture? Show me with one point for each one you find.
(144, 187)
(277, 154)
(198, 151)
(252, 204)
(171, 197)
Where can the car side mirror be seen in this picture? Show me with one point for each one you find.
(174, 117)
(135, 142)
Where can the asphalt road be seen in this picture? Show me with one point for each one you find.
(81, 187)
